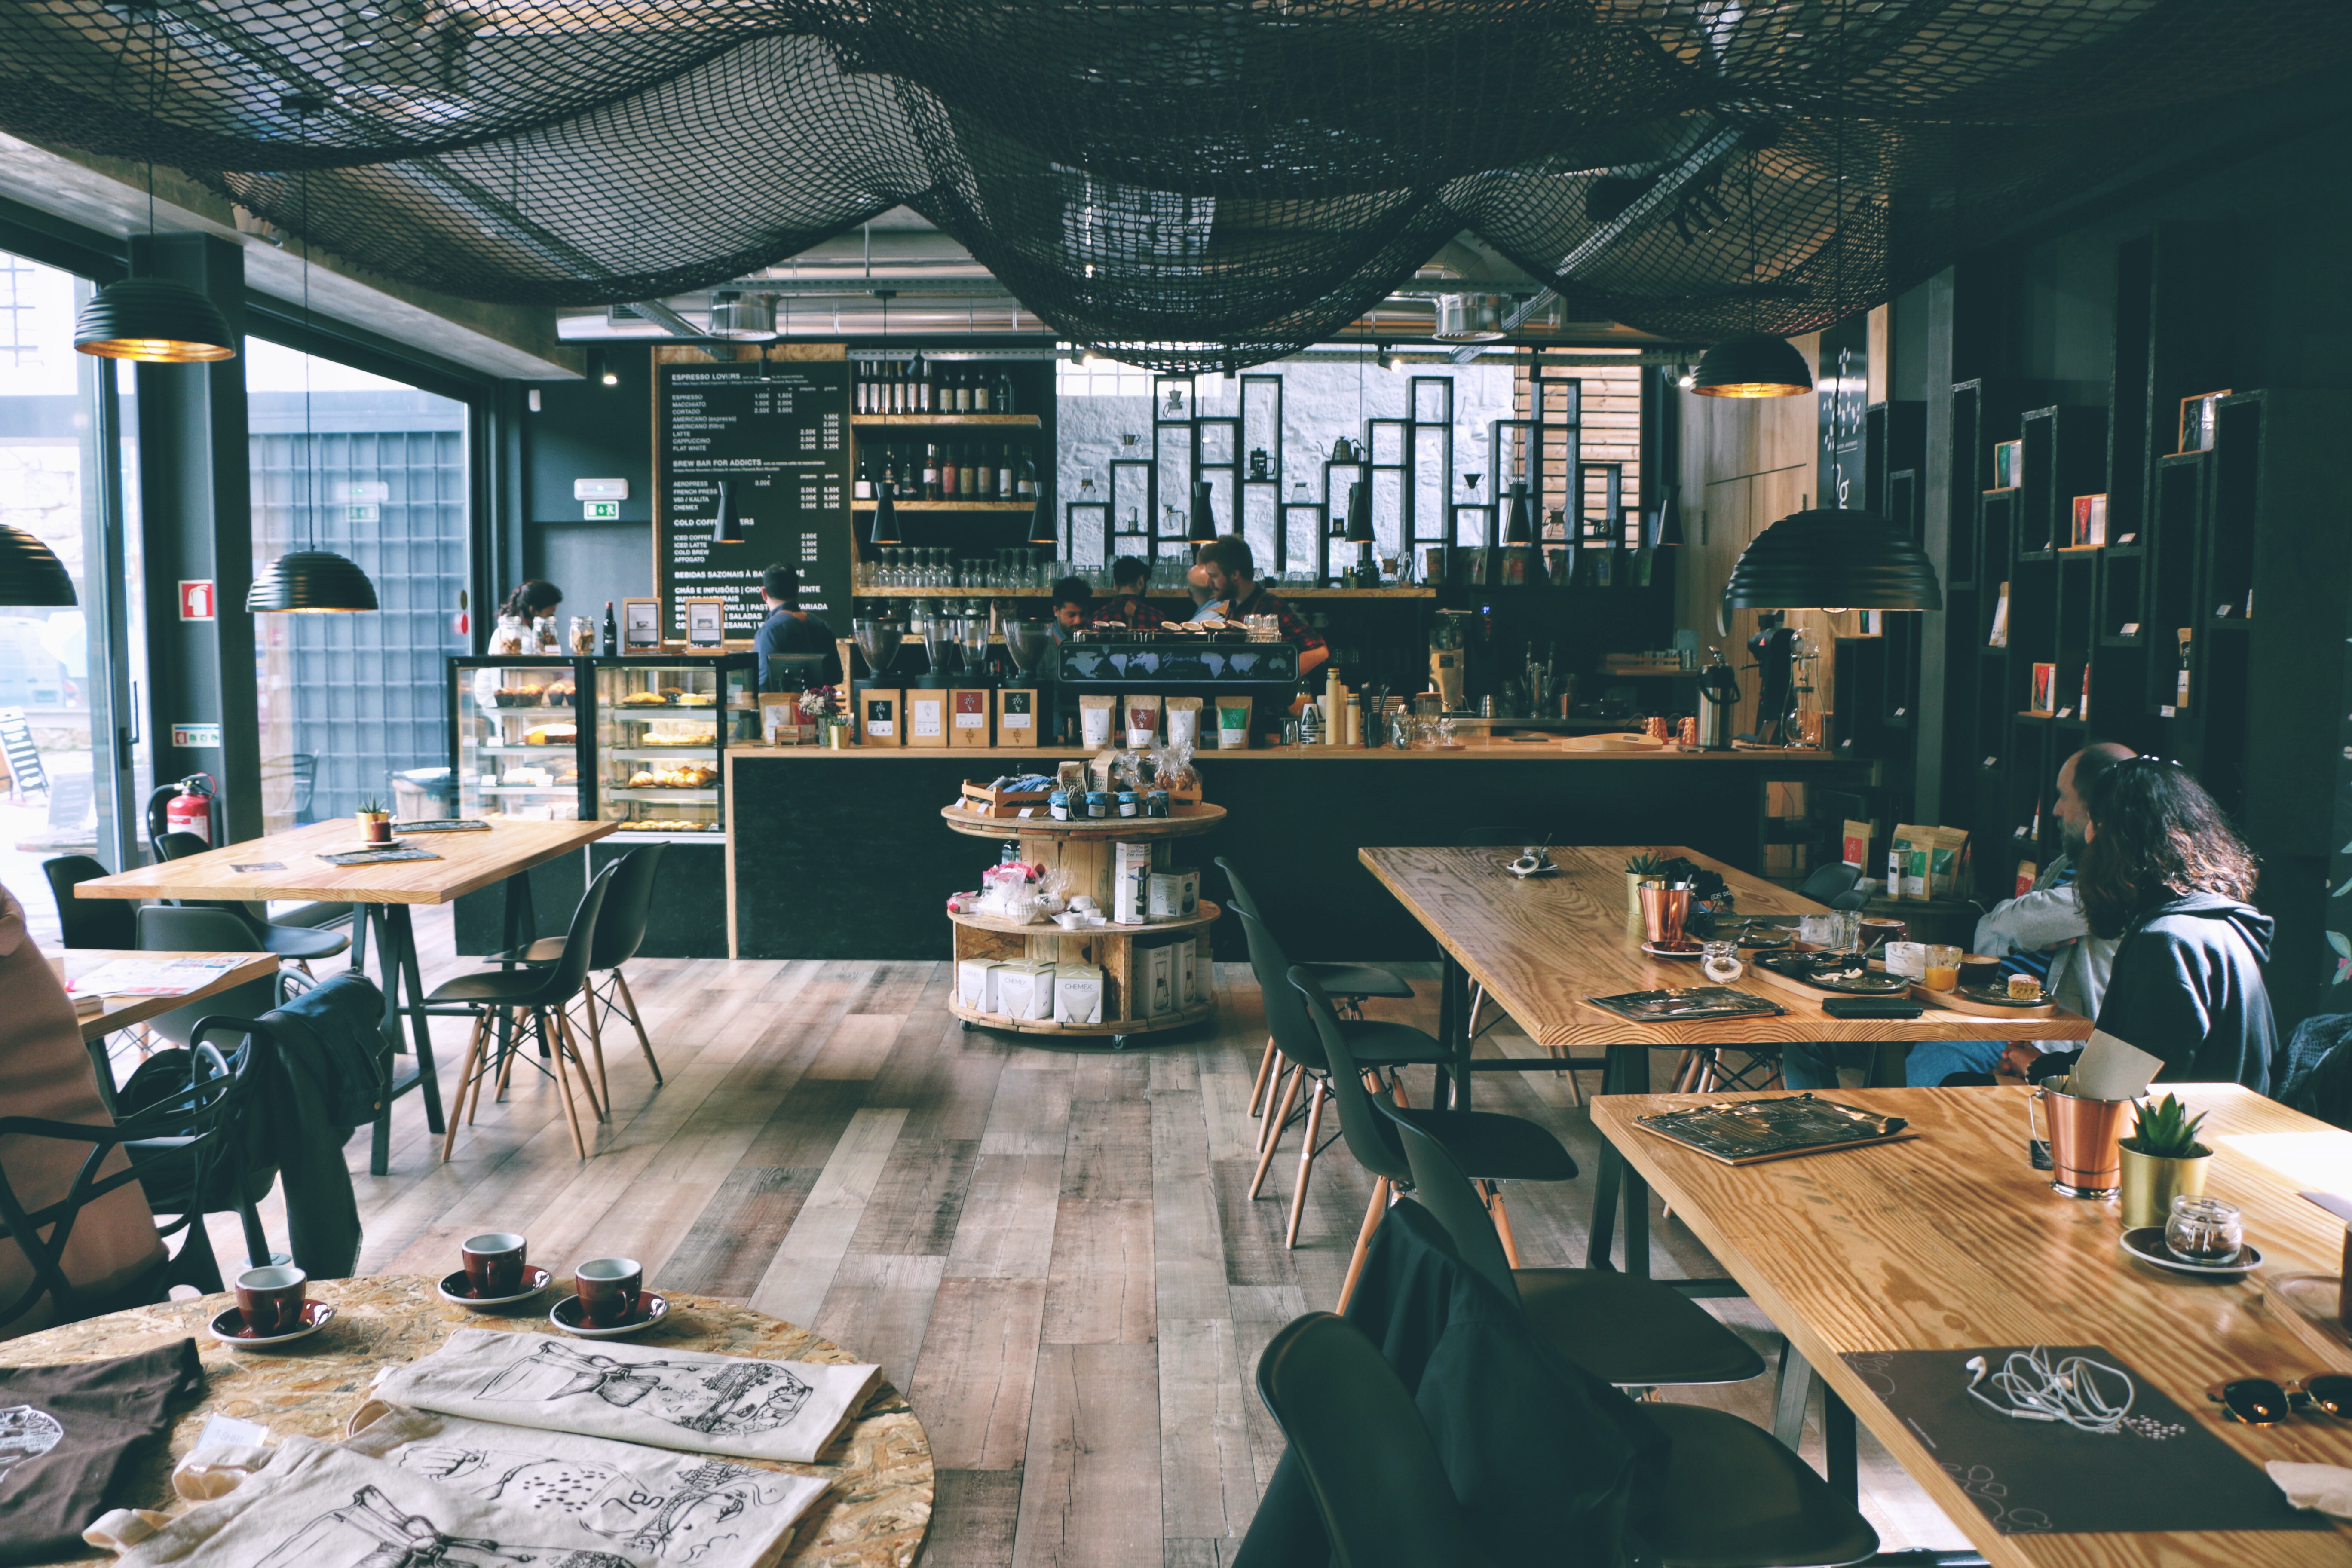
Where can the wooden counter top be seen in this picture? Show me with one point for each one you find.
(1549, 749)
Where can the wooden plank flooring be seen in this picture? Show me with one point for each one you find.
(1052, 1251)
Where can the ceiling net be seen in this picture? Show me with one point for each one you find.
(1187, 183)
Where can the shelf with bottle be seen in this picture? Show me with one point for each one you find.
(948, 505)
(911, 421)
(919, 389)
(946, 476)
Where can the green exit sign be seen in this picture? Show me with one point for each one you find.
(600, 510)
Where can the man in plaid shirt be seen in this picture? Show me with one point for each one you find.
(1233, 577)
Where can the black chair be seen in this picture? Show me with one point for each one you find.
(1377, 1045)
(1347, 983)
(300, 942)
(88, 923)
(1636, 1332)
(1379, 1481)
(543, 992)
(190, 928)
(1829, 882)
(184, 1143)
(620, 932)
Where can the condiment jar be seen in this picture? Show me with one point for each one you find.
(1126, 803)
(1156, 803)
(1058, 804)
(1097, 803)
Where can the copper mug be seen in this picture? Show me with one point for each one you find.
(2086, 1142)
(1663, 910)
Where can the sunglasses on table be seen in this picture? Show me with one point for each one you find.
(2263, 1402)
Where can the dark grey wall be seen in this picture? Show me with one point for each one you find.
(584, 429)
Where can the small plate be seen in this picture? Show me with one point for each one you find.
(454, 1289)
(1654, 951)
(2146, 1244)
(230, 1330)
(651, 1309)
(363, 846)
(1513, 868)
(1988, 997)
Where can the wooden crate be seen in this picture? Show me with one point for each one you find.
(983, 800)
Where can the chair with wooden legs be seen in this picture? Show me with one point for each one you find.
(620, 932)
(1347, 983)
(540, 997)
(1378, 1046)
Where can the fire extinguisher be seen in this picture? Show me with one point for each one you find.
(188, 809)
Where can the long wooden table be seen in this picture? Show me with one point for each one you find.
(122, 1012)
(383, 895)
(1949, 1240)
(1541, 945)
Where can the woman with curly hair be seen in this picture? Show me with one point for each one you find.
(2163, 869)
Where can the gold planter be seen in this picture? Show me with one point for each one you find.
(1633, 881)
(2149, 1185)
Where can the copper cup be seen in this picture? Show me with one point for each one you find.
(2085, 1139)
(1663, 910)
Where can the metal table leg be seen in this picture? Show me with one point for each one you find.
(1617, 1178)
(396, 949)
(1841, 1467)
(1453, 1088)
(1796, 1381)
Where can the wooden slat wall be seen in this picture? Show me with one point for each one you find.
(1612, 430)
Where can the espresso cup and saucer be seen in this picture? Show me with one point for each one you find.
(609, 1300)
(496, 1273)
(272, 1308)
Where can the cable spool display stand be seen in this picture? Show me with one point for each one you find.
(1083, 849)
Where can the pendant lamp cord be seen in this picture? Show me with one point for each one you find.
(309, 435)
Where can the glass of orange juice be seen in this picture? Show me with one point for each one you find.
(1943, 968)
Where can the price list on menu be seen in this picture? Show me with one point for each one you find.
(778, 434)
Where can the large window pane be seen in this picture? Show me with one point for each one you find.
(375, 470)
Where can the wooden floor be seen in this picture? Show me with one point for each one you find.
(1050, 1250)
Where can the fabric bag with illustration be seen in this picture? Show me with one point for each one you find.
(685, 1509)
(669, 1398)
(67, 1433)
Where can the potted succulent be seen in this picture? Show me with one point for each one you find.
(1642, 867)
(2162, 1160)
(375, 822)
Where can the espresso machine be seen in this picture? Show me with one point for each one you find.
(1449, 658)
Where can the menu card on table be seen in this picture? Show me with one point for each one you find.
(151, 976)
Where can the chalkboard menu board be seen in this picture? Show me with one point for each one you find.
(778, 430)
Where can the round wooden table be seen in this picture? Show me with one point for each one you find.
(874, 1515)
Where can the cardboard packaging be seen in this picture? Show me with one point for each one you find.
(1016, 716)
(1095, 711)
(967, 709)
(1130, 884)
(1175, 893)
(1025, 990)
(1233, 723)
(1158, 982)
(1906, 862)
(1077, 994)
(878, 721)
(927, 717)
(1856, 837)
(1142, 721)
(976, 983)
(1191, 976)
(1184, 722)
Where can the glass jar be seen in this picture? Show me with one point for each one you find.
(1156, 803)
(509, 638)
(1098, 804)
(1057, 805)
(1128, 803)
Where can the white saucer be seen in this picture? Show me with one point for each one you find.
(363, 847)
(654, 1308)
(1513, 868)
(2146, 1244)
(228, 1327)
(452, 1288)
(1674, 952)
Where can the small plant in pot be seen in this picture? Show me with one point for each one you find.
(2162, 1160)
(1642, 867)
(375, 822)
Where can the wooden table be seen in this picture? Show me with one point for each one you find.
(122, 1012)
(383, 894)
(875, 1514)
(1949, 1240)
(1541, 945)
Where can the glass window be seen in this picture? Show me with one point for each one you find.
(350, 705)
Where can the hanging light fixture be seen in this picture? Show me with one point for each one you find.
(886, 516)
(1041, 521)
(1520, 526)
(152, 320)
(1203, 525)
(1360, 533)
(30, 572)
(1827, 558)
(731, 517)
(307, 582)
(1666, 524)
(1752, 364)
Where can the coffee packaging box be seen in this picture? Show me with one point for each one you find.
(1160, 979)
(1016, 985)
(1190, 976)
(976, 983)
(1167, 895)
(1077, 994)
(927, 717)
(967, 711)
(1142, 721)
(1184, 722)
(1907, 861)
(1094, 712)
(1130, 884)
(878, 716)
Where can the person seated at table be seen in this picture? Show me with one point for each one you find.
(46, 1071)
(1127, 605)
(1226, 562)
(2166, 875)
(1073, 599)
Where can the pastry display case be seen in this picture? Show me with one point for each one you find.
(662, 727)
(520, 736)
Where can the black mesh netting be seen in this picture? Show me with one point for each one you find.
(1185, 181)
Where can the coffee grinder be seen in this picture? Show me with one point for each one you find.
(1449, 657)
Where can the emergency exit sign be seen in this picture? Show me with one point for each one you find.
(600, 510)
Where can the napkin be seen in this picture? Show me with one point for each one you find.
(2112, 1068)
(668, 1399)
(2327, 1488)
(678, 1508)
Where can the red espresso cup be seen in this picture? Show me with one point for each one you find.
(270, 1300)
(608, 1290)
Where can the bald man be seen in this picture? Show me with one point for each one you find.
(2044, 931)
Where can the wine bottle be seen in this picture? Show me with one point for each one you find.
(1026, 487)
(931, 472)
(968, 475)
(1002, 488)
(2180, 683)
(980, 391)
(922, 386)
(612, 631)
(1004, 393)
(964, 392)
(864, 489)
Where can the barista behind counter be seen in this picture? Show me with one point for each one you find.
(790, 629)
(1231, 576)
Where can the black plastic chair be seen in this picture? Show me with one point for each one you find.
(543, 992)
(88, 923)
(300, 942)
(193, 927)
(1827, 882)
(620, 932)
(1376, 1043)
(1347, 983)
(1379, 1481)
(186, 1143)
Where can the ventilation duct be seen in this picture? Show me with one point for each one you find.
(735, 315)
(1469, 318)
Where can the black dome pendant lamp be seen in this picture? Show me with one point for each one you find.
(1752, 364)
(152, 320)
(31, 574)
(308, 581)
(1832, 559)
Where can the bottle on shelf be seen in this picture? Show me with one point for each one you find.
(1005, 392)
(612, 631)
(980, 390)
(2181, 682)
(967, 474)
(931, 472)
(951, 476)
(964, 392)
(1024, 487)
(1002, 488)
(864, 487)
(922, 386)
(897, 386)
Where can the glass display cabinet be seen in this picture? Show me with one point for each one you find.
(518, 739)
(663, 724)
